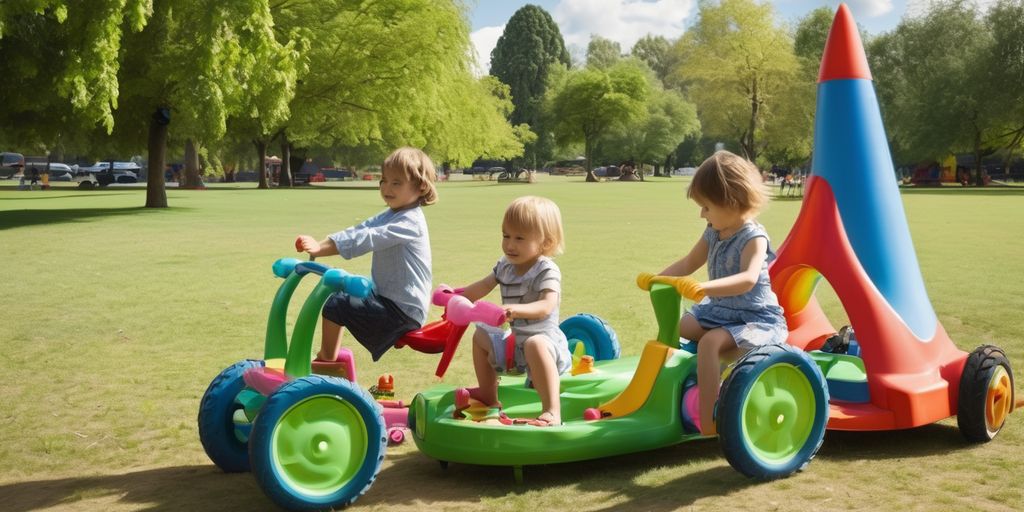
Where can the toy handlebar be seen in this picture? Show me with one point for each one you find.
(461, 311)
(334, 278)
(444, 293)
(686, 286)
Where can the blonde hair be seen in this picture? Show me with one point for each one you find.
(538, 215)
(418, 168)
(729, 181)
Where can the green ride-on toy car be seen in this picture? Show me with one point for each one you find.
(317, 442)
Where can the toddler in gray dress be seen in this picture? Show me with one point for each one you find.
(736, 309)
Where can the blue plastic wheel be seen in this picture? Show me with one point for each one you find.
(772, 412)
(216, 427)
(595, 334)
(317, 444)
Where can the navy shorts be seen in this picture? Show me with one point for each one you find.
(376, 322)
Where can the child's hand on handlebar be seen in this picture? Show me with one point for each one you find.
(686, 286)
(511, 311)
(306, 243)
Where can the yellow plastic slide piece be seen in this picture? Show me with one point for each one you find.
(633, 397)
(276, 364)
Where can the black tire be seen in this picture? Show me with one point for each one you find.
(216, 427)
(337, 440)
(597, 336)
(981, 414)
(772, 412)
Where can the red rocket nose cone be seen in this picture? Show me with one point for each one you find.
(844, 52)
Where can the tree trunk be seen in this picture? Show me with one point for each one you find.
(229, 172)
(750, 141)
(191, 166)
(668, 164)
(156, 194)
(978, 180)
(285, 179)
(588, 149)
(261, 162)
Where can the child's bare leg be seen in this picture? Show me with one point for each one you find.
(486, 376)
(330, 342)
(545, 377)
(710, 349)
(690, 329)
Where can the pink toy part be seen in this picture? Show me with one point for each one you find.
(395, 416)
(343, 365)
(691, 404)
(592, 414)
(396, 436)
(264, 380)
(461, 311)
(444, 293)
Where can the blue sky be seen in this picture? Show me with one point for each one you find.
(626, 21)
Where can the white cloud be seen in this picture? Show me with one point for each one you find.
(484, 40)
(623, 21)
(870, 8)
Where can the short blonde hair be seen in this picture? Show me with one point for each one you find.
(729, 181)
(418, 168)
(538, 215)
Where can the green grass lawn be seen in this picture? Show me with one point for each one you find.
(115, 318)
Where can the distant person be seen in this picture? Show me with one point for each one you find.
(401, 267)
(531, 290)
(736, 309)
(33, 178)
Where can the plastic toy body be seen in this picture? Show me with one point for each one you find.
(852, 231)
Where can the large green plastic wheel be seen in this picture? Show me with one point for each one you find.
(317, 444)
(772, 412)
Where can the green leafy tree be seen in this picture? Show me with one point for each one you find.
(940, 98)
(734, 63)
(374, 81)
(653, 136)
(656, 52)
(586, 105)
(529, 48)
(191, 62)
(602, 53)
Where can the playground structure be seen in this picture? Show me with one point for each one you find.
(316, 441)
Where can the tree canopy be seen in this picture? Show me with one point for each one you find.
(587, 104)
(937, 101)
(734, 64)
(529, 48)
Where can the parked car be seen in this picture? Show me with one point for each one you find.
(60, 172)
(124, 172)
(11, 164)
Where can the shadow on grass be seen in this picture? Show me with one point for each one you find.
(922, 441)
(413, 480)
(173, 488)
(27, 218)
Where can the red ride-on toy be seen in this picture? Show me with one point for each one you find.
(897, 368)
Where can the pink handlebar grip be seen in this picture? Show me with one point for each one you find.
(444, 293)
(463, 312)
